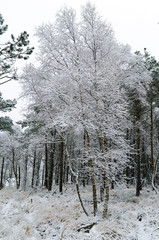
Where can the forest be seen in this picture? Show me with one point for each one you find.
(92, 112)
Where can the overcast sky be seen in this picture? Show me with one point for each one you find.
(135, 22)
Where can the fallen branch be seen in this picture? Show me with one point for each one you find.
(61, 235)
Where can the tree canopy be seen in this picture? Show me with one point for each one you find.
(10, 51)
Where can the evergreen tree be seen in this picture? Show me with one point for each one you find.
(15, 48)
(153, 99)
(10, 51)
(5, 106)
(136, 85)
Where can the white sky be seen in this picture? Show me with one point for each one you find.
(135, 22)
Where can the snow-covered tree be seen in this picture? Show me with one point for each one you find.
(136, 84)
(77, 88)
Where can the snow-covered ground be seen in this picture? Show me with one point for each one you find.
(43, 215)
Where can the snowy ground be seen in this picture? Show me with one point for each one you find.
(36, 216)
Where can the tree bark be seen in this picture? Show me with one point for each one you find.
(102, 187)
(76, 179)
(15, 168)
(43, 173)
(46, 166)
(37, 169)
(19, 177)
(92, 178)
(2, 170)
(51, 166)
(151, 139)
(138, 182)
(61, 167)
(106, 200)
(25, 172)
(79, 196)
(105, 179)
(33, 173)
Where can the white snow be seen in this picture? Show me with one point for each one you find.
(42, 215)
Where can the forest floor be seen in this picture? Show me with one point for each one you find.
(53, 216)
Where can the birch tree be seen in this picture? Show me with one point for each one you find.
(77, 87)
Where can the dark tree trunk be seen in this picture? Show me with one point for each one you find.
(2, 169)
(106, 200)
(25, 172)
(43, 173)
(92, 178)
(67, 172)
(84, 164)
(61, 166)
(127, 167)
(46, 166)
(112, 184)
(51, 166)
(102, 185)
(33, 173)
(138, 182)
(151, 140)
(37, 169)
(57, 173)
(19, 176)
(93, 188)
(64, 169)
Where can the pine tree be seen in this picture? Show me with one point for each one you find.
(5, 106)
(136, 85)
(152, 66)
(10, 51)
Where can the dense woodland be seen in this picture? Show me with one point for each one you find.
(92, 113)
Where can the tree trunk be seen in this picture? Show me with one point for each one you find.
(102, 175)
(151, 141)
(105, 179)
(33, 173)
(138, 182)
(37, 169)
(43, 173)
(25, 172)
(2, 169)
(51, 166)
(102, 180)
(76, 179)
(19, 176)
(106, 199)
(127, 167)
(46, 166)
(67, 172)
(61, 167)
(56, 173)
(79, 196)
(15, 168)
(92, 178)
